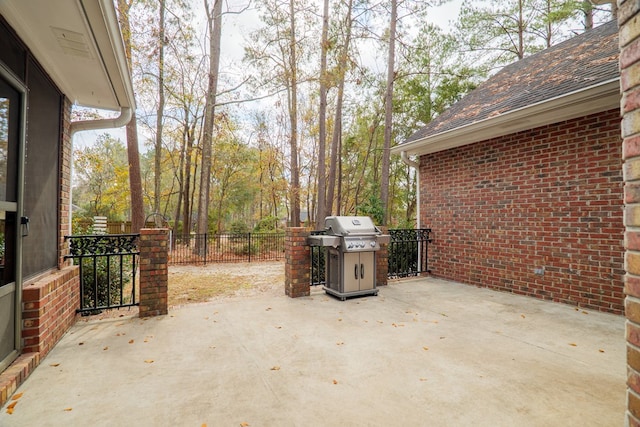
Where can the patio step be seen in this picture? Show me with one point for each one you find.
(16, 374)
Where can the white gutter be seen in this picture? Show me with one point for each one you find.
(601, 97)
(106, 33)
(126, 113)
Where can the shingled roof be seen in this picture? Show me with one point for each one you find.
(574, 78)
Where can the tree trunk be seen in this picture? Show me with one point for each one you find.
(587, 7)
(214, 21)
(334, 169)
(159, 116)
(133, 155)
(388, 116)
(293, 120)
(321, 212)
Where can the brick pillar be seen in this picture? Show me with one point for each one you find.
(154, 276)
(297, 267)
(629, 22)
(382, 261)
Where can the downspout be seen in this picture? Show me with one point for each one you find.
(411, 163)
(125, 117)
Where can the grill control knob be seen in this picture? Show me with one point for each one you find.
(372, 244)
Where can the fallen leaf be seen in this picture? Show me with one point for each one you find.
(275, 368)
(206, 318)
(68, 409)
(572, 344)
(425, 348)
(148, 361)
(442, 314)
(523, 316)
(423, 379)
(244, 424)
(340, 343)
(601, 351)
(55, 365)
(10, 407)
(267, 309)
(106, 348)
(442, 338)
(17, 396)
(335, 381)
(80, 343)
(278, 327)
(340, 319)
(130, 341)
(585, 312)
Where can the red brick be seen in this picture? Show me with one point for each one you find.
(547, 197)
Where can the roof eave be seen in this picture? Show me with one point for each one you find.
(601, 97)
(101, 77)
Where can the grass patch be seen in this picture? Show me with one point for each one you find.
(187, 288)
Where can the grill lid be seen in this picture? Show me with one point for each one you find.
(350, 226)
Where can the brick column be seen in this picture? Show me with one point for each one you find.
(297, 267)
(629, 22)
(382, 262)
(154, 276)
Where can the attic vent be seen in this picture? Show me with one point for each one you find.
(72, 43)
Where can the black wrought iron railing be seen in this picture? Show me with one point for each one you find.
(228, 247)
(318, 259)
(408, 252)
(108, 265)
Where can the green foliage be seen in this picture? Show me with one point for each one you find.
(373, 208)
(239, 227)
(101, 281)
(266, 225)
(102, 173)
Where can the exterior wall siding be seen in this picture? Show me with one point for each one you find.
(536, 213)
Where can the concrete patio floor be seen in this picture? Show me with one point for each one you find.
(425, 352)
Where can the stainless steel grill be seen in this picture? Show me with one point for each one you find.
(351, 244)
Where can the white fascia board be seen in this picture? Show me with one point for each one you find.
(602, 97)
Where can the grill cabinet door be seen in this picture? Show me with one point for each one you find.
(367, 264)
(351, 272)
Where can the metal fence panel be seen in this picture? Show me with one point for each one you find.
(318, 259)
(108, 266)
(408, 252)
(226, 247)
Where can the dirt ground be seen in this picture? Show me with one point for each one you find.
(190, 284)
(201, 283)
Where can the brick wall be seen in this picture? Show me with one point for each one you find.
(297, 264)
(537, 213)
(629, 22)
(49, 309)
(154, 274)
(64, 203)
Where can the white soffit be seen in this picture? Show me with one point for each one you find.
(79, 45)
(602, 97)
